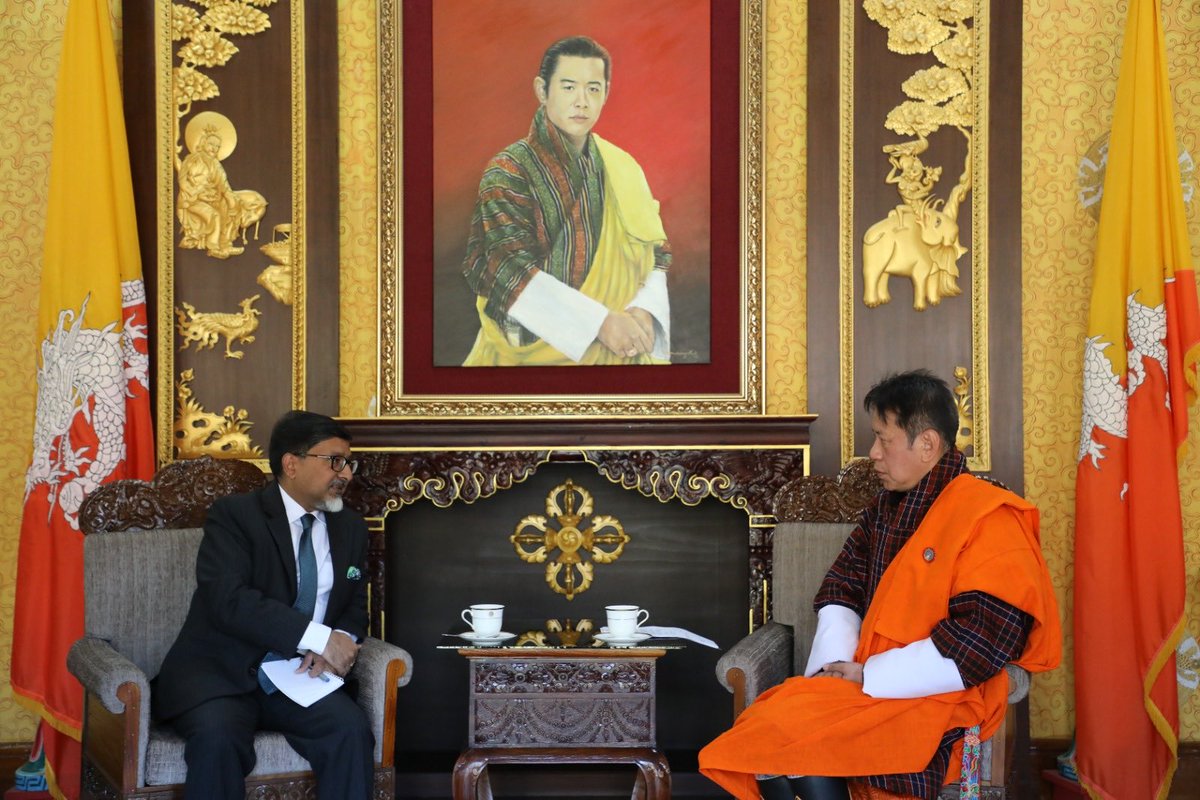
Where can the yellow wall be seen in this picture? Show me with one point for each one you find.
(1067, 105)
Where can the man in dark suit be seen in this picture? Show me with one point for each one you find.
(279, 573)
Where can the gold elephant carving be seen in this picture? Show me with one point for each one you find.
(919, 238)
(920, 244)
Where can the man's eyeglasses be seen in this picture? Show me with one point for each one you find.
(336, 463)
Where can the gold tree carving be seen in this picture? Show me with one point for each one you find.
(919, 239)
(203, 33)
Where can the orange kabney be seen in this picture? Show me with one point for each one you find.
(984, 539)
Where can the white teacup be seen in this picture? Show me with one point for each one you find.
(623, 621)
(484, 618)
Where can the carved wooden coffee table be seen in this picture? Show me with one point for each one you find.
(562, 706)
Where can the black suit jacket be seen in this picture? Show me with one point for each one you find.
(245, 587)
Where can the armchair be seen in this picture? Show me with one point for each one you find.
(816, 515)
(138, 583)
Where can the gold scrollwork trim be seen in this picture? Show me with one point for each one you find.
(846, 226)
(702, 488)
(981, 459)
(434, 489)
(748, 399)
(165, 177)
(390, 122)
(299, 210)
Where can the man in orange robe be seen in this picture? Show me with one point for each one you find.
(941, 583)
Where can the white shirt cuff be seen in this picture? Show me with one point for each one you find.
(836, 638)
(915, 670)
(652, 297)
(315, 637)
(562, 317)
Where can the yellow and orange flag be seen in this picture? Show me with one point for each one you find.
(1139, 377)
(92, 422)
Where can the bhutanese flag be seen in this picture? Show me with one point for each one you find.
(92, 423)
(1139, 377)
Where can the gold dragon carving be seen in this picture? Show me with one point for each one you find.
(569, 574)
(919, 238)
(198, 432)
(206, 328)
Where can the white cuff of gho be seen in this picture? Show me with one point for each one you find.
(564, 318)
(653, 298)
(836, 638)
(915, 670)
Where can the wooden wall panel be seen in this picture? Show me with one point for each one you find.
(855, 80)
(278, 90)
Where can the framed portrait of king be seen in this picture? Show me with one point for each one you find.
(571, 207)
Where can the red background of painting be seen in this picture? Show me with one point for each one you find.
(472, 64)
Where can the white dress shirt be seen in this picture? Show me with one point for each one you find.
(316, 636)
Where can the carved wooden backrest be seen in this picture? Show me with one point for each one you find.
(820, 498)
(178, 496)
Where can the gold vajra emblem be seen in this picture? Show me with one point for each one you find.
(562, 530)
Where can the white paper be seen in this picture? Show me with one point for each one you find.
(677, 633)
(300, 686)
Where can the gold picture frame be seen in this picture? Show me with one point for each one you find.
(731, 382)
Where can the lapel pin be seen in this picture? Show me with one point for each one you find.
(353, 574)
(929, 555)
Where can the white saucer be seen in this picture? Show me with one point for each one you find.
(486, 639)
(621, 641)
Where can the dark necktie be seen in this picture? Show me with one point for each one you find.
(306, 593)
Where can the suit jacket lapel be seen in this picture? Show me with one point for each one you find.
(339, 553)
(281, 534)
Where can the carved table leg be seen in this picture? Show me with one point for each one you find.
(468, 770)
(654, 776)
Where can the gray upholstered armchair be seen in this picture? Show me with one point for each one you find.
(138, 584)
(817, 514)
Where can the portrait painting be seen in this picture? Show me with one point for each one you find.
(571, 198)
(629, 77)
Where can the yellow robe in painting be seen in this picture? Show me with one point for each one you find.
(624, 258)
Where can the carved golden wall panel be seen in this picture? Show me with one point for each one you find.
(945, 59)
(232, 130)
(1067, 108)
